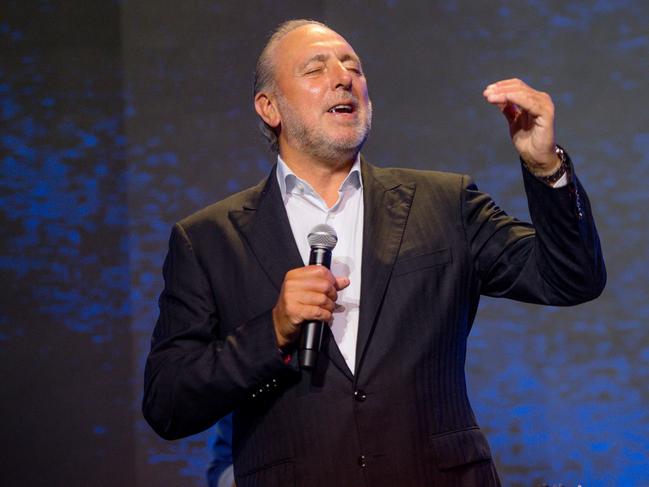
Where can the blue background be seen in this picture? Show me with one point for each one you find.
(119, 118)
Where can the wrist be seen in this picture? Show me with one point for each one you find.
(555, 173)
(281, 341)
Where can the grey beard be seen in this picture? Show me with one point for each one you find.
(320, 146)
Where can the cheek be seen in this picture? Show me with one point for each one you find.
(314, 95)
(308, 99)
(363, 92)
(313, 89)
(313, 101)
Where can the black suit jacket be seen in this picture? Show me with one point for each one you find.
(432, 244)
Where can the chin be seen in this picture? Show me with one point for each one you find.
(352, 139)
(334, 152)
(340, 150)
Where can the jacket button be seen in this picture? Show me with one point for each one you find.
(362, 461)
(359, 395)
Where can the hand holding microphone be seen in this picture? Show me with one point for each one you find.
(308, 297)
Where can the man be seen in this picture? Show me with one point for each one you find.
(386, 404)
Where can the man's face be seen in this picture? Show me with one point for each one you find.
(321, 94)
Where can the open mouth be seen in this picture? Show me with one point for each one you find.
(342, 108)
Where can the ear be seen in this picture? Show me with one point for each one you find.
(266, 108)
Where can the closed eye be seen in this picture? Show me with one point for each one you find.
(354, 68)
(313, 69)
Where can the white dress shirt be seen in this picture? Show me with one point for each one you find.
(306, 209)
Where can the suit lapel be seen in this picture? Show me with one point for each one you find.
(330, 348)
(264, 224)
(386, 207)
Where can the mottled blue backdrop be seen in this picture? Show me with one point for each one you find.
(119, 118)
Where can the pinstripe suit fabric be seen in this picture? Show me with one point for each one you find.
(433, 243)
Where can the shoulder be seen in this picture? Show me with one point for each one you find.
(428, 176)
(217, 214)
(438, 182)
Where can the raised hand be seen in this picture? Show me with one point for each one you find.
(530, 115)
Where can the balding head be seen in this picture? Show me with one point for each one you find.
(312, 94)
(265, 69)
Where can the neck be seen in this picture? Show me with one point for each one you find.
(324, 176)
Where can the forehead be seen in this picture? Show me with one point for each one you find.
(309, 40)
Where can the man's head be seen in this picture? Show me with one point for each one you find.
(310, 92)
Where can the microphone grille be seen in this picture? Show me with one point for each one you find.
(322, 236)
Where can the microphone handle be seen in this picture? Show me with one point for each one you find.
(320, 256)
(312, 331)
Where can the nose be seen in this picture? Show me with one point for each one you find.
(340, 77)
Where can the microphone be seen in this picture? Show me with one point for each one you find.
(322, 240)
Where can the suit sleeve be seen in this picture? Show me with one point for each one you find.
(557, 260)
(191, 377)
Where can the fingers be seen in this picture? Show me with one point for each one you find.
(511, 111)
(513, 96)
(312, 279)
(308, 293)
(307, 312)
(342, 283)
(530, 115)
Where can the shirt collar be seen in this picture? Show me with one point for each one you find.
(287, 179)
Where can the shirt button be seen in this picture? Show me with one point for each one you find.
(360, 395)
(362, 461)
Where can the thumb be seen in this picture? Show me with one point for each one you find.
(511, 111)
(341, 283)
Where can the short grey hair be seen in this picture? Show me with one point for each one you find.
(265, 70)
